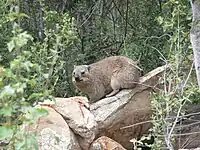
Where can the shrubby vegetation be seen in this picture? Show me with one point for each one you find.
(40, 41)
(180, 85)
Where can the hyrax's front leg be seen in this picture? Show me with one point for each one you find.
(97, 92)
(113, 93)
(93, 98)
(115, 85)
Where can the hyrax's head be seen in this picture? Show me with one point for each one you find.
(81, 74)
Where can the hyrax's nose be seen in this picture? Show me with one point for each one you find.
(77, 78)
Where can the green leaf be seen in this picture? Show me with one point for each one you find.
(32, 82)
(160, 20)
(35, 95)
(5, 132)
(8, 90)
(38, 113)
(1, 83)
(11, 46)
(28, 142)
(20, 144)
(23, 15)
(46, 75)
(6, 111)
(33, 141)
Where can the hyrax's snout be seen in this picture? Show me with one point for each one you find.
(77, 78)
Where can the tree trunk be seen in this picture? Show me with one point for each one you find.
(41, 23)
(195, 36)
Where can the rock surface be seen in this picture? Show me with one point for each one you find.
(105, 143)
(79, 119)
(54, 133)
(128, 107)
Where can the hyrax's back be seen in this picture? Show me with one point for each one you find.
(119, 71)
(111, 74)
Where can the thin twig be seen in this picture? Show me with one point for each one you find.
(174, 124)
(182, 134)
(187, 125)
(95, 6)
(153, 87)
(155, 37)
(187, 77)
(160, 54)
(149, 121)
(136, 124)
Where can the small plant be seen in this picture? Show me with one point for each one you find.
(19, 92)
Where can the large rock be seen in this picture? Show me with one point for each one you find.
(105, 143)
(79, 118)
(54, 133)
(128, 107)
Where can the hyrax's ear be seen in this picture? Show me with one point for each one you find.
(74, 66)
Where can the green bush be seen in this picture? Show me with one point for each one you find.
(32, 71)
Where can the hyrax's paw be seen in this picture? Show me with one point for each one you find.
(112, 93)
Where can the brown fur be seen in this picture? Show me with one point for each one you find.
(106, 77)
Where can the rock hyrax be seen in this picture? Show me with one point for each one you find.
(106, 77)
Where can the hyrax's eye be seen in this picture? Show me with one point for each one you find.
(83, 72)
